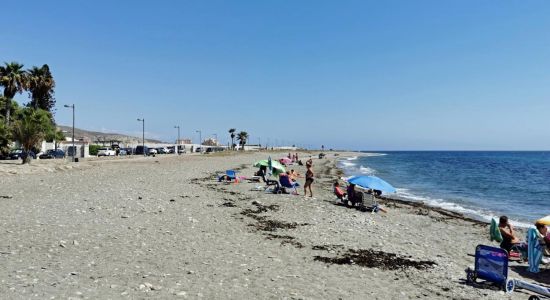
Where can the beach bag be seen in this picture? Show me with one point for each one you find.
(494, 232)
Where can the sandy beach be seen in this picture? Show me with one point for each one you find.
(164, 227)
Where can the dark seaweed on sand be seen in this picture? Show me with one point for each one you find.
(376, 259)
(265, 224)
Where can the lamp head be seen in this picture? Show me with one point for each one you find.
(66, 105)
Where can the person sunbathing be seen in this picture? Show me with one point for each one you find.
(544, 237)
(340, 194)
(509, 238)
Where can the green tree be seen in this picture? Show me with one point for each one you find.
(41, 87)
(55, 136)
(242, 137)
(14, 80)
(232, 135)
(4, 138)
(31, 128)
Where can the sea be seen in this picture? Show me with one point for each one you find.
(479, 184)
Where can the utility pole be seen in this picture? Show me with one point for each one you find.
(143, 135)
(74, 149)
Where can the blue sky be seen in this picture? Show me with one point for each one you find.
(380, 75)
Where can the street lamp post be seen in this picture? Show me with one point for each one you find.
(178, 140)
(200, 139)
(74, 149)
(142, 135)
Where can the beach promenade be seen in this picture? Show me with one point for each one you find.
(165, 228)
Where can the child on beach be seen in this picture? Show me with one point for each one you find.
(309, 180)
(294, 175)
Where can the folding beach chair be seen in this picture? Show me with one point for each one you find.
(269, 183)
(230, 175)
(287, 183)
(358, 198)
(370, 203)
(535, 250)
(491, 264)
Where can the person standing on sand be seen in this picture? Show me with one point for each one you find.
(309, 180)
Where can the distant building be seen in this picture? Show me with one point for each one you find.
(210, 142)
(184, 141)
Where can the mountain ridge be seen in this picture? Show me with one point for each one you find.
(96, 137)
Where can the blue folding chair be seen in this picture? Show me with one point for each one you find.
(491, 264)
(230, 175)
(287, 183)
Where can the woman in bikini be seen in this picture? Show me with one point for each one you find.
(309, 180)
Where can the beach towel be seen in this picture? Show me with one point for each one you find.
(534, 250)
(494, 232)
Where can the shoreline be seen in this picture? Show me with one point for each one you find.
(475, 215)
(420, 204)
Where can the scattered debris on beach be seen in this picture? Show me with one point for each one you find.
(286, 239)
(265, 224)
(273, 225)
(327, 247)
(375, 259)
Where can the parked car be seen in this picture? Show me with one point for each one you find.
(129, 151)
(15, 154)
(106, 152)
(141, 150)
(52, 153)
(153, 151)
(122, 151)
(182, 150)
(20, 154)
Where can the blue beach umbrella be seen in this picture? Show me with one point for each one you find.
(372, 182)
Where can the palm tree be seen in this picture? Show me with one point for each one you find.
(232, 135)
(31, 129)
(14, 80)
(242, 137)
(41, 85)
(55, 135)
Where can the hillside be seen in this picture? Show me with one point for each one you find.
(96, 137)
